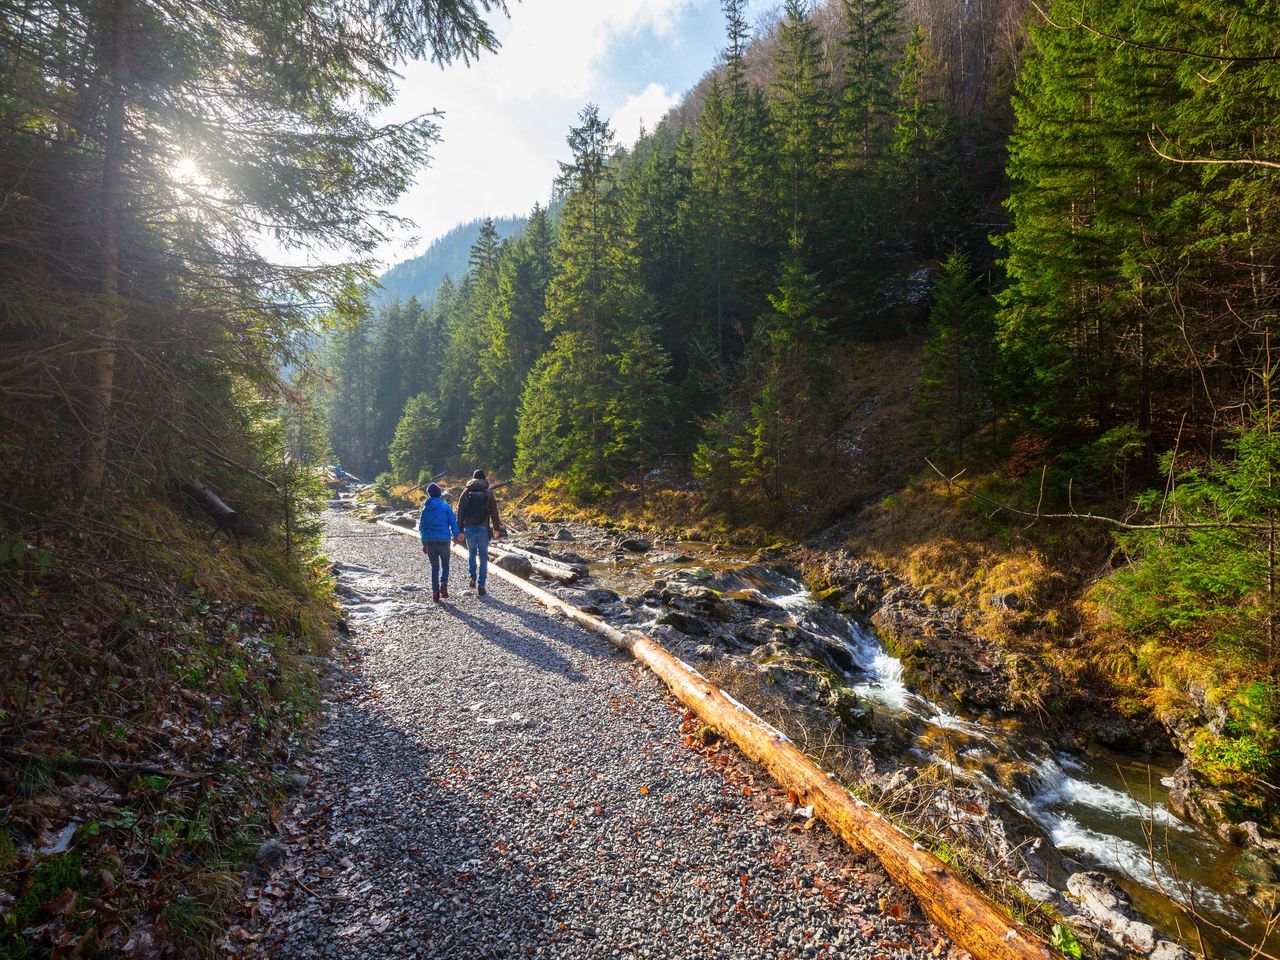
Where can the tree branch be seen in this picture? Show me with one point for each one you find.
(1092, 517)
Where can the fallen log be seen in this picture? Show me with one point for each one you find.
(965, 914)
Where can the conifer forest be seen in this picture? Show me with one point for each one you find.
(982, 295)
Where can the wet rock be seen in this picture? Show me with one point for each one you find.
(635, 545)
(899, 780)
(685, 623)
(520, 566)
(1042, 892)
(1192, 799)
(672, 558)
(1168, 950)
(1103, 902)
(1099, 896)
(564, 535)
(576, 559)
(949, 663)
(829, 594)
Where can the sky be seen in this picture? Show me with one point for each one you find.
(506, 116)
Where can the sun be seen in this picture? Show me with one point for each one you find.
(187, 172)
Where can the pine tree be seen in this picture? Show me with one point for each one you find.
(801, 116)
(117, 116)
(954, 394)
(513, 339)
(918, 150)
(591, 299)
(637, 415)
(867, 100)
(764, 443)
(863, 124)
(416, 441)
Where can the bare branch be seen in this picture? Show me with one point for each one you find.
(1092, 517)
(1208, 161)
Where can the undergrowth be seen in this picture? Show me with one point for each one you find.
(154, 679)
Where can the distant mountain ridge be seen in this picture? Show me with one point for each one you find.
(422, 275)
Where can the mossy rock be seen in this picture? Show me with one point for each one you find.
(829, 594)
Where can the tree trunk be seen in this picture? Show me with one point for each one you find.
(103, 379)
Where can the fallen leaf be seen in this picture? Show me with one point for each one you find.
(63, 904)
(644, 789)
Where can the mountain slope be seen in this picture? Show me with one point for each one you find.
(446, 256)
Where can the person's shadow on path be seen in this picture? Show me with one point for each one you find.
(530, 647)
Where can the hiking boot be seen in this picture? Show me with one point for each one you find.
(480, 591)
(473, 580)
(435, 595)
(444, 593)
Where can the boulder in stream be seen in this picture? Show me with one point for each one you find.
(512, 563)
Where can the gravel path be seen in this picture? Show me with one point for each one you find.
(492, 781)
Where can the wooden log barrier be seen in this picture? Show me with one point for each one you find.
(965, 914)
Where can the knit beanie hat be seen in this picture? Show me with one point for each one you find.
(478, 475)
(433, 490)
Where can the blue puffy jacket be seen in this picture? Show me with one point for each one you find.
(437, 522)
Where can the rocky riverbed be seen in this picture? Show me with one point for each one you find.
(903, 700)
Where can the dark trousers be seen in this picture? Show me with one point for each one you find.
(438, 554)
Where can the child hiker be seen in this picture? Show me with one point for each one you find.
(437, 526)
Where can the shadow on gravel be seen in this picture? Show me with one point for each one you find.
(410, 867)
(575, 636)
(530, 647)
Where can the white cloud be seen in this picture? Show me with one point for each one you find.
(645, 109)
(506, 116)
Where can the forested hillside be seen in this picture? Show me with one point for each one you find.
(1068, 214)
(420, 277)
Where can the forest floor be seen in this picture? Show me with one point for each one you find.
(492, 781)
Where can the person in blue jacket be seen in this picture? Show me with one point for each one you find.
(437, 526)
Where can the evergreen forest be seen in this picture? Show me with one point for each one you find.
(981, 294)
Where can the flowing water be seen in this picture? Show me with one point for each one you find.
(1105, 811)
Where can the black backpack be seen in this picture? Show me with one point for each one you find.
(474, 509)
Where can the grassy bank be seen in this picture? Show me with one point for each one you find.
(155, 679)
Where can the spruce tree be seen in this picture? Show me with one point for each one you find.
(801, 117)
(954, 394)
(918, 150)
(591, 298)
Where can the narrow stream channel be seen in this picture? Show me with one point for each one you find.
(1105, 811)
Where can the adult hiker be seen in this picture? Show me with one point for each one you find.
(437, 526)
(478, 514)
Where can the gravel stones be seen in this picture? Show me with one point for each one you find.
(491, 781)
